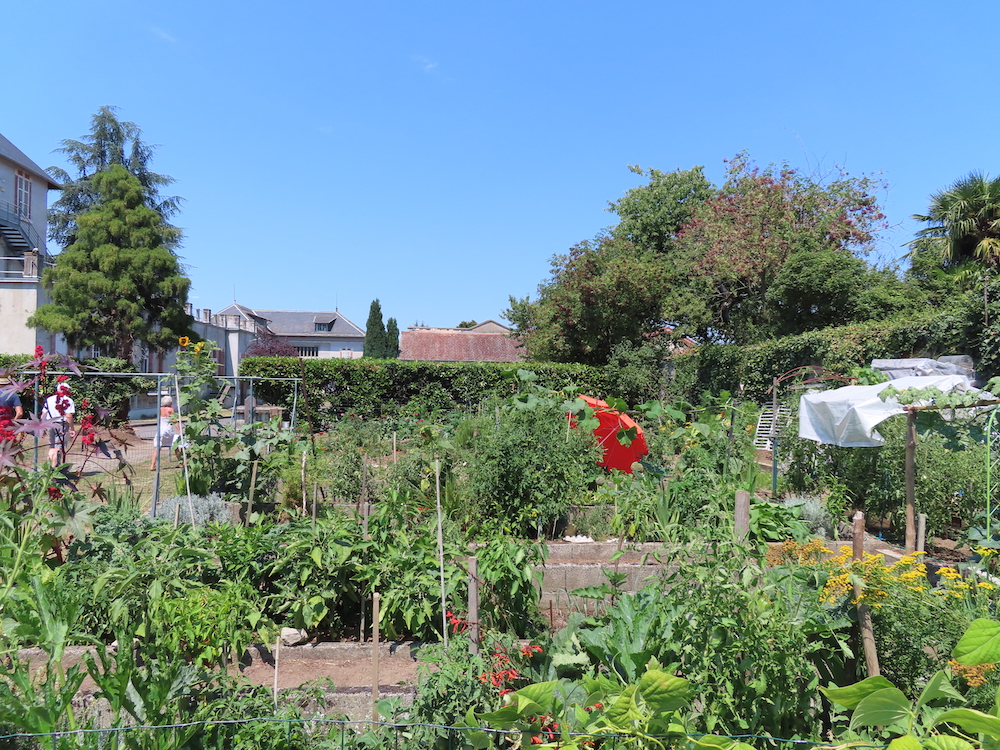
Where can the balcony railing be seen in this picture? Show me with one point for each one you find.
(11, 217)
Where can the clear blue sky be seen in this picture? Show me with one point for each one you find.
(437, 154)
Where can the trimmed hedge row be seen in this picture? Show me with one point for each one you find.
(716, 367)
(371, 388)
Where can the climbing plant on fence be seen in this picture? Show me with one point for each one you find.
(372, 388)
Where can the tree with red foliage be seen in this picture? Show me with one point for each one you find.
(270, 346)
(733, 249)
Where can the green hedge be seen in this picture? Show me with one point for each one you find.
(371, 388)
(716, 367)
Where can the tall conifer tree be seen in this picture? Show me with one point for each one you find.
(375, 334)
(392, 339)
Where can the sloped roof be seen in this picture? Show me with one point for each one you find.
(303, 323)
(457, 345)
(11, 152)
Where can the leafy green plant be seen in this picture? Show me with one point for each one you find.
(773, 522)
(876, 703)
(643, 713)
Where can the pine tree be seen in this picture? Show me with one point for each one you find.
(375, 334)
(118, 284)
(110, 141)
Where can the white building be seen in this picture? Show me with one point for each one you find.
(24, 188)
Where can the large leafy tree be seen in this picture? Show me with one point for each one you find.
(963, 222)
(651, 215)
(118, 284)
(736, 244)
(110, 141)
(599, 294)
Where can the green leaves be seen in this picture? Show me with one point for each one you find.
(883, 708)
(849, 697)
(663, 693)
(980, 644)
(972, 721)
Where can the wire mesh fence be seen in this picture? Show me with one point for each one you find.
(134, 449)
(265, 733)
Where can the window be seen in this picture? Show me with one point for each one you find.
(324, 327)
(22, 195)
(307, 351)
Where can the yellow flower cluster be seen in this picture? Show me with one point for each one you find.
(790, 551)
(974, 676)
(837, 587)
(876, 579)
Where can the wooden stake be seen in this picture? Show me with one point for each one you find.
(303, 482)
(253, 482)
(277, 650)
(444, 598)
(315, 497)
(375, 655)
(911, 482)
(921, 531)
(473, 565)
(741, 528)
(864, 615)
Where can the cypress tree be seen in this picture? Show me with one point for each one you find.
(375, 334)
(392, 339)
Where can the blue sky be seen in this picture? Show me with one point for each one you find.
(437, 154)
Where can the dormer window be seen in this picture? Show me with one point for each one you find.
(22, 195)
(323, 323)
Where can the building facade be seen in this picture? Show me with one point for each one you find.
(24, 188)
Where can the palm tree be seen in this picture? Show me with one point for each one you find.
(964, 222)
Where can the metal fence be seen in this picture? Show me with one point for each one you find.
(122, 456)
(267, 733)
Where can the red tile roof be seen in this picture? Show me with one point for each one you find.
(457, 345)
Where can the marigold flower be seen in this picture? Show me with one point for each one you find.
(183, 341)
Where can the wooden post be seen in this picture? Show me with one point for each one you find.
(742, 526)
(375, 655)
(864, 614)
(440, 536)
(921, 531)
(277, 651)
(253, 486)
(315, 497)
(364, 535)
(774, 439)
(303, 482)
(473, 565)
(911, 481)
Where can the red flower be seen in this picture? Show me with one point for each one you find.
(54, 493)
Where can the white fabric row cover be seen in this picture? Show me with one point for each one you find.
(848, 416)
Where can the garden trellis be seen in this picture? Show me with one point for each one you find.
(847, 417)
